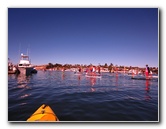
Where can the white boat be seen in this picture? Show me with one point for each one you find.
(11, 68)
(24, 65)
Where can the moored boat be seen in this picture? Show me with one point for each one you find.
(11, 68)
(14, 71)
(34, 70)
(24, 65)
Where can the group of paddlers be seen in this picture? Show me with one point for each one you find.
(91, 70)
(147, 73)
(96, 70)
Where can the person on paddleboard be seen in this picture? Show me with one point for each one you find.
(99, 69)
(79, 70)
(91, 68)
(147, 71)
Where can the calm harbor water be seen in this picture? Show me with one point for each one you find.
(79, 98)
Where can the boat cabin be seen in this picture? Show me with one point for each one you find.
(24, 61)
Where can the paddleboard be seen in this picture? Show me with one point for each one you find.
(43, 113)
(143, 78)
(154, 76)
(77, 74)
(96, 76)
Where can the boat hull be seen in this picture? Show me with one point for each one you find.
(25, 70)
(12, 72)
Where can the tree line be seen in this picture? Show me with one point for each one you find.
(111, 67)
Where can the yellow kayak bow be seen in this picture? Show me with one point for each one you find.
(43, 113)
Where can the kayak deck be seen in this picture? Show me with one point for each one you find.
(43, 113)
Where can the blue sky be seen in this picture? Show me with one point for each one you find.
(122, 36)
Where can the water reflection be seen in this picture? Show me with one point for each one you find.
(93, 89)
(22, 81)
(92, 82)
(79, 79)
(23, 84)
(25, 95)
(116, 80)
(147, 86)
(147, 89)
(63, 76)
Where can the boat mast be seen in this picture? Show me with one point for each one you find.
(19, 52)
(28, 53)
